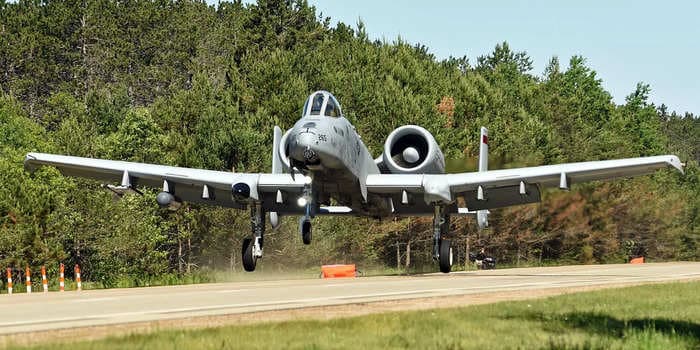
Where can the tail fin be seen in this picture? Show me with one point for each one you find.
(484, 150)
(482, 216)
(277, 165)
(277, 168)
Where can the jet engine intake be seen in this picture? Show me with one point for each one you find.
(411, 149)
(284, 151)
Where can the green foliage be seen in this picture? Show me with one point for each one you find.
(137, 138)
(187, 84)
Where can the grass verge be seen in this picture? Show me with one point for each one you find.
(660, 316)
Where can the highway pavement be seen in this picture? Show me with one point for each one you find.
(39, 312)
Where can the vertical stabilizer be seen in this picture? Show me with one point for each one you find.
(277, 168)
(277, 165)
(484, 150)
(482, 216)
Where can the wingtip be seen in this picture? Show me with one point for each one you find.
(28, 161)
(675, 162)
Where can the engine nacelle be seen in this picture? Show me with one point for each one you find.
(410, 149)
(284, 151)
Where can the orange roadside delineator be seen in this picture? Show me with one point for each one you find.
(61, 281)
(44, 281)
(9, 280)
(28, 274)
(335, 271)
(77, 277)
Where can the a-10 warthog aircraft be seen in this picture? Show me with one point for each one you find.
(321, 167)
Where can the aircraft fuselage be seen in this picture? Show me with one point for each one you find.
(330, 151)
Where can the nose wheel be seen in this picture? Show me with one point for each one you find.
(305, 221)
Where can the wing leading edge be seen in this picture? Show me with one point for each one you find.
(506, 187)
(192, 185)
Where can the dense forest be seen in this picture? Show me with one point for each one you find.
(188, 84)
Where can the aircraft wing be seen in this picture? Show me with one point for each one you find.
(187, 184)
(506, 187)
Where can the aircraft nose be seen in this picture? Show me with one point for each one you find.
(305, 144)
(306, 139)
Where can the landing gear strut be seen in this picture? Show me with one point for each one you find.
(442, 251)
(253, 247)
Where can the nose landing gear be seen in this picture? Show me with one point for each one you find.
(305, 221)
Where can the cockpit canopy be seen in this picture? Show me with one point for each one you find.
(321, 103)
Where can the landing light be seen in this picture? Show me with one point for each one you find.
(302, 201)
(307, 180)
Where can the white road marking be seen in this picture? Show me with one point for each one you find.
(340, 285)
(93, 300)
(229, 291)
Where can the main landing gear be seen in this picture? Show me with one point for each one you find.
(442, 251)
(305, 221)
(305, 229)
(253, 247)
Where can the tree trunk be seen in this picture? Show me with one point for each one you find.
(232, 260)
(83, 54)
(189, 254)
(466, 245)
(466, 255)
(408, 254)
(179, 255)
(398, 256)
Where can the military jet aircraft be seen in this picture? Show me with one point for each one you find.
(321, 167)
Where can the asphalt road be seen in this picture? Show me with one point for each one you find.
(52, 311)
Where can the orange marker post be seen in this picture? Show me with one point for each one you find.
(77, 277)
(336, 271)
(44, 281)
(28, 274)
(639, 260)
(9, 280)
(61, 281)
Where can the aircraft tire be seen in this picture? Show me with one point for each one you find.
(445, 256)
(305, 231)
(249, 261)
